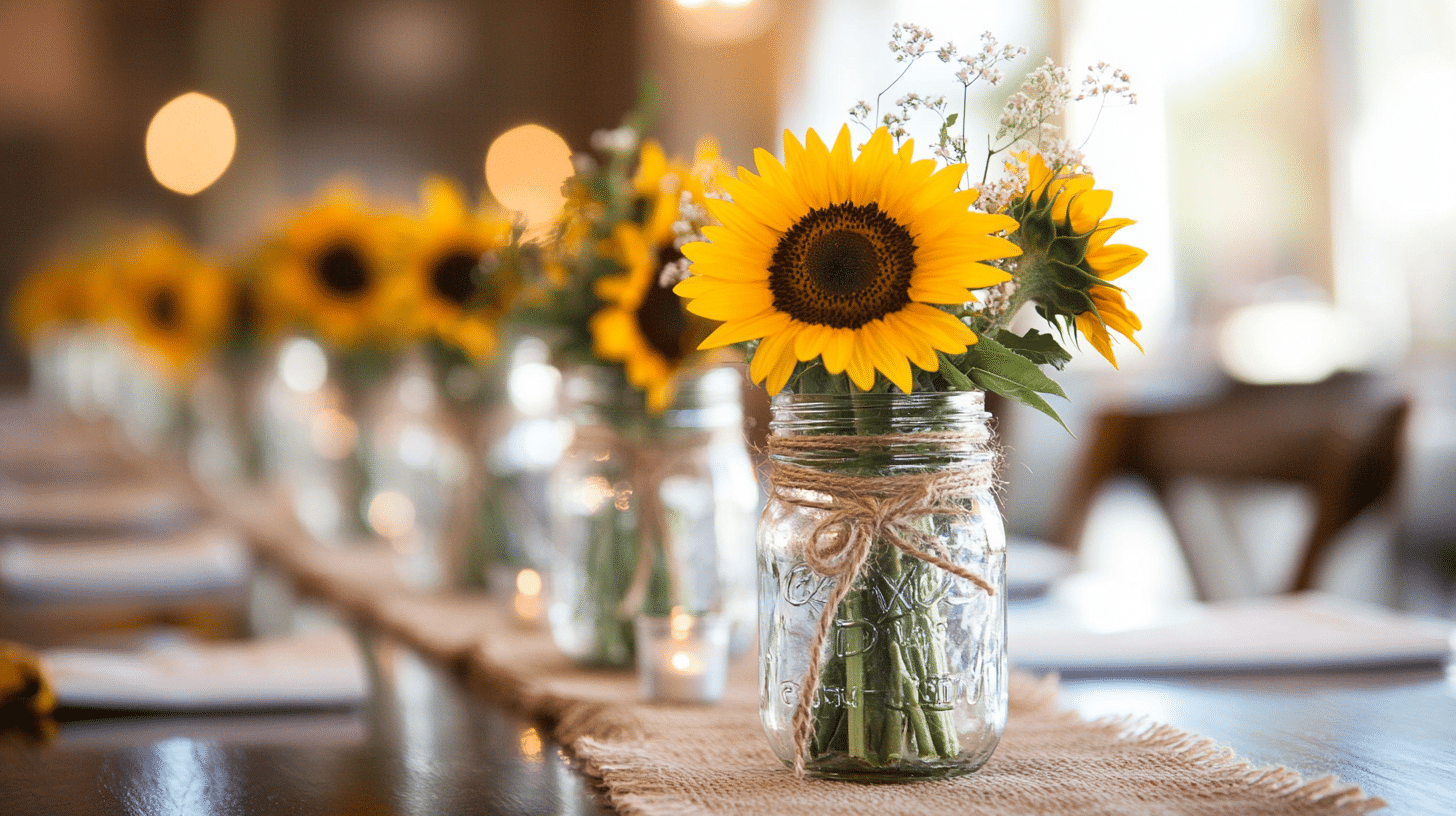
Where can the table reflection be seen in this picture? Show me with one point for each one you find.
(422, 744)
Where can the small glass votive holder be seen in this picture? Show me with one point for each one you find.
(683, 658)
(526, 589)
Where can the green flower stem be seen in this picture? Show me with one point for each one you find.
(854, 676)
(613, 548)
(886, 645)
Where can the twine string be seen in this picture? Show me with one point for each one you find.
(646, 465)
(860, 510)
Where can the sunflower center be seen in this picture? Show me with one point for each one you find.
(245, 317)
(163, 309)
(843, 266)
(343, 271)
(661, 318)
(453, 277)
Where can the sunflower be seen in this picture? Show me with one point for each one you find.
(644, 325)
(1068, 265)
(451, 297)
(844, 259)
(56, 293)
(331, 270)
(174, 302)
(659, 184)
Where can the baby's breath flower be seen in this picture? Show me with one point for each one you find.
(908, 41)
(617, 140)
(674, 272)
(982, 63)
(996, 195)
(1107, 81)
(1044, 94)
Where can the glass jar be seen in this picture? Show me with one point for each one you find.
(520, 441)
(650, 514)
(902, 662)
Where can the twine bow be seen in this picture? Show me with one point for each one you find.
(860, 510)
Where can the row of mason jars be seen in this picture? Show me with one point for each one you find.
(629, 532)
(534, 483)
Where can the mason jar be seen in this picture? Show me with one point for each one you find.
(651, 514)
(881, 564)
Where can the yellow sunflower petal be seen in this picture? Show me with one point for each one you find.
(1112, 262)
(841, 165)
(769, 211)
(1088, 208)
(811, 341)
(724, 300)
(752, 328)
(883, 346)
(861, 371)
(837, 350)
(1096, 334)
(769, 352)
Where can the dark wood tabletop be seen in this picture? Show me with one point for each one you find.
(1391, 731)
(425, 743)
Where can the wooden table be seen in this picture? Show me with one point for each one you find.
(423, 744)
(427, 744)
(1390, 731)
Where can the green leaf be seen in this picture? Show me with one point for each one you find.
(992, 357)
(1038, 347)
(953, 375)
(951, 120)
(1020, 393)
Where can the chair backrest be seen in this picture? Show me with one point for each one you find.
(1341, 439)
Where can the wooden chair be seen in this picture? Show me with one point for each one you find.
(1341, 439)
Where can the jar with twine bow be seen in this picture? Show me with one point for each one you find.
(881, 574)
(651, 513)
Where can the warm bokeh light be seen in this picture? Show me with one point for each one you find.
(681, 624)
(333, 434)
(720, 21)
(190, 142)
(525, 168)
(528, 582)
(392, 514)
(531, 744)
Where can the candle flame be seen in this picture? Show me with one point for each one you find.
(528, 582)
(681, 624)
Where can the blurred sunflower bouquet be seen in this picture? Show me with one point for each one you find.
(636, 386)
(867, 273)
(601, 285)
(407, 314)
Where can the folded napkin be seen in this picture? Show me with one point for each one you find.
(316, 669)
(94, 504)
(201, 559)
(1306, 630)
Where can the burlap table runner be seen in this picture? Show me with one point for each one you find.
(674, 759)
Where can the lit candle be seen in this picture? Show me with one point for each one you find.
(683, 658)
(528, 599)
